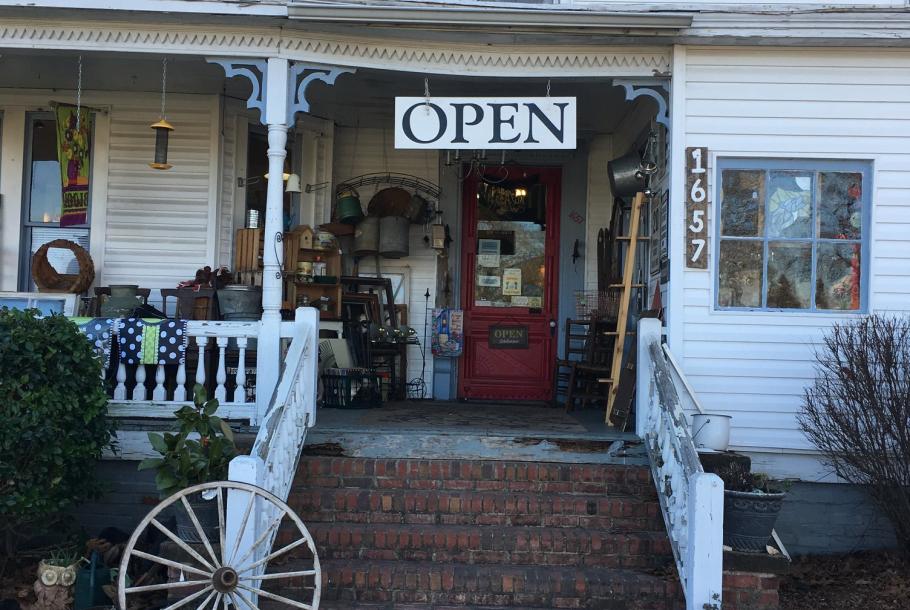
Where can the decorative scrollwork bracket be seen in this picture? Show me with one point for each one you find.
(657, 89)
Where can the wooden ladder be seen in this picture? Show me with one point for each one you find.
(625, 297)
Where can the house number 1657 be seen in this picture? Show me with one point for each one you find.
(696, 208)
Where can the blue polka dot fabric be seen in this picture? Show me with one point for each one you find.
(152, 341)
(99, 332)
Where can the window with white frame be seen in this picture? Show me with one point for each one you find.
(792, 234)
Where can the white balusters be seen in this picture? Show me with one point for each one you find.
(200, 364)
(230, 338)
(240, 392)
(180, 389)
(159, 393)
(139, 392)
(221, 374)
(120, 390)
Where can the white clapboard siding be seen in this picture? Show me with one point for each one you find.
(362, 151)
(158, 221)
(830, 103)
(600, 202)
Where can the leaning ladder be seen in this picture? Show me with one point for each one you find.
(625, 297)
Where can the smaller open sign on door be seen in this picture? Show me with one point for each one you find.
(508, 337)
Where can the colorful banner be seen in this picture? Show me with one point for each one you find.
(74, 153)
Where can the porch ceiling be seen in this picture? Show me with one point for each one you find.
(367, 98)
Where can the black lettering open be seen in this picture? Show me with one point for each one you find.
(409, 131)
(535, 111)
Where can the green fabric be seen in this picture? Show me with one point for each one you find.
(150, 343)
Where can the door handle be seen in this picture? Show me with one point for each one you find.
(552, 328)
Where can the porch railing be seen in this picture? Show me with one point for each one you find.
(220, 353)
(692, 501)
(272, 463)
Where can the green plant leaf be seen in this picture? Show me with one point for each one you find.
(158, 442)
(149, 463)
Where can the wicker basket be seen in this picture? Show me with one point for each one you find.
(49, 280)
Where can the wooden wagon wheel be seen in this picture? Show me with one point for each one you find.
(215, 574)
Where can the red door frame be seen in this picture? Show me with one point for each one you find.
(479, 319)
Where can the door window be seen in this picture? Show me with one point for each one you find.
(43, 200)
(510, 265)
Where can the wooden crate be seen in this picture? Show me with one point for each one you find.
(248, 250)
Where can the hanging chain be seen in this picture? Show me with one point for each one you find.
(548, 87)
(79, 96)
(163, 85)
(426, 93)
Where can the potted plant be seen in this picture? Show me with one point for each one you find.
(751, 505)
(198, 452)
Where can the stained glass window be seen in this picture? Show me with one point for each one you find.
(791, 235)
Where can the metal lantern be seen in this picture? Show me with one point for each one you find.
(162, 131)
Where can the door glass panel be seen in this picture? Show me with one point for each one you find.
(511, 243)
(45, 194)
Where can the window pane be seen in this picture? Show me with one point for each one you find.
(789, 275)
(742, 203)
(840, 210)
(46, 197)
(740, 269)
(790, 204)
(837, 283)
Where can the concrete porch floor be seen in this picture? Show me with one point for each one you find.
(472, 430)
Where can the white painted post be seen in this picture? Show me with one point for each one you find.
(240, 392)
(180, 389)
(120, 390)
(649, 331)
(221, 374)
(307, 322)
(268, 345)
(200, 364)
(705, 553)
(139, 389)
(242, 469)
(159, 393)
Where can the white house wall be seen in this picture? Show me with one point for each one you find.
(160, 227)
(367, 150)
(148, 227)
(852, 104)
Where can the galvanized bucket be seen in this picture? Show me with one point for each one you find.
(347, 208)
(625, 175)
(366, 237)
(393, 236)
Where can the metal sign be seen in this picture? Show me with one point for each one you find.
(508, 337)
(697, 208)
(480, 123)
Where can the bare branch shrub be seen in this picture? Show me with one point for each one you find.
(858, 411)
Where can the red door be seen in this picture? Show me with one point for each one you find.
(509, 296)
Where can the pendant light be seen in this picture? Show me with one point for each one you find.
(162, 127)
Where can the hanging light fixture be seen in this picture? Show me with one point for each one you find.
(293, 185)
(162, 127)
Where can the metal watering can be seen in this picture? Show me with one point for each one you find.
(347, 207)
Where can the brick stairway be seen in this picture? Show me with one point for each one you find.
(420, 534)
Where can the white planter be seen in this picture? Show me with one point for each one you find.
(711, 431)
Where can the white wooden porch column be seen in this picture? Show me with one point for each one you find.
(276, 117)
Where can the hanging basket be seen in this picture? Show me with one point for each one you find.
(49, 280)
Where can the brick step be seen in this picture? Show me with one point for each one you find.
(439, 585)
(492, 545)
(455, 475)
(610, 513)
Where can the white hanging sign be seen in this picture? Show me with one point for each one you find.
(512, 123)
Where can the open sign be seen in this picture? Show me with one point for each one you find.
(485, 123)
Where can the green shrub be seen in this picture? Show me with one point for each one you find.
(53, 424)
(186, 461)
